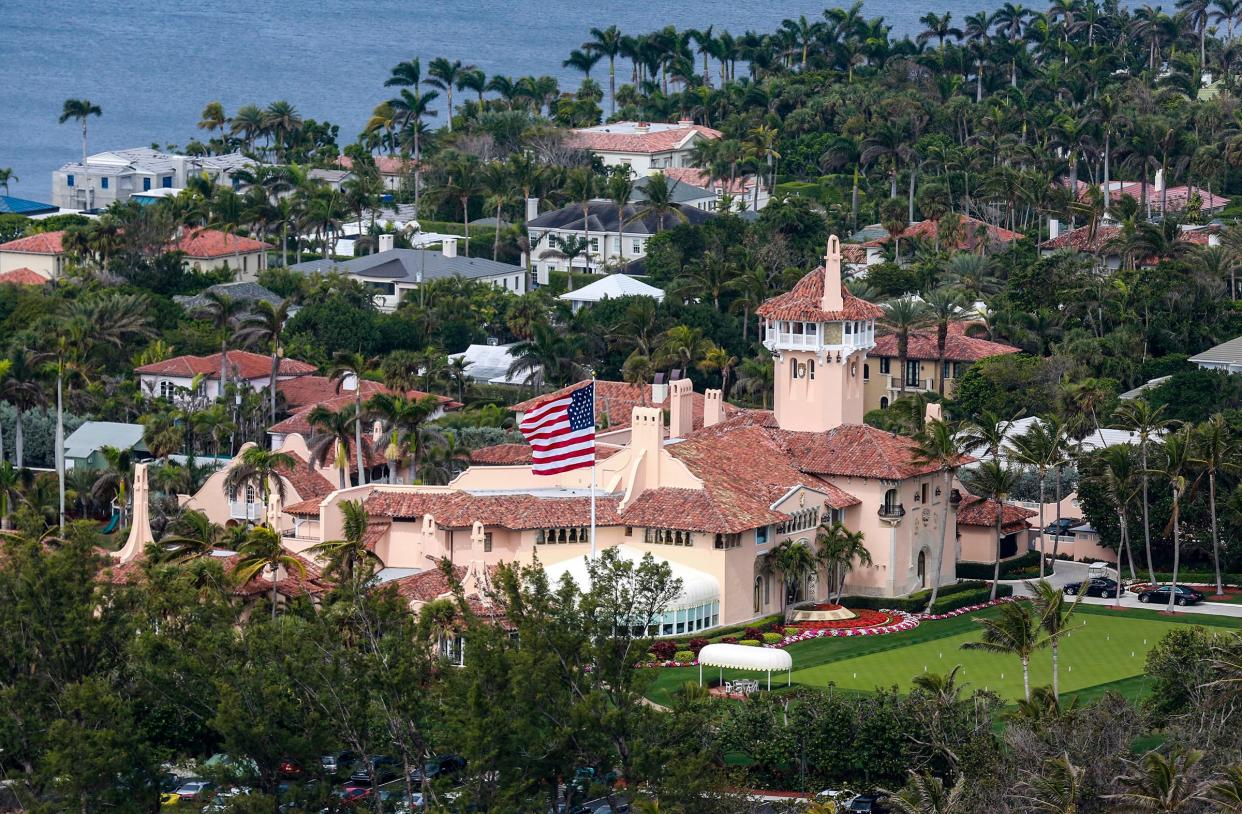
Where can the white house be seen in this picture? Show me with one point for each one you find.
(614, 286)
(174, 379)
(1226, 356)
(645, 147)
(116, 175)
(490, 364)
(392, 273)
(616, 236)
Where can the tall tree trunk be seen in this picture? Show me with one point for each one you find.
(19, 439)
(362, 473)
(1177, 548)
(944, 529)
(1056, 668)
(60, 445)
(1043, 534)
(1000, 507)
(1151, 568)
(1215, 536)
(1026, 677)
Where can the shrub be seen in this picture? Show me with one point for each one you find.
(683, 655)
(791, 631)
(698, 644)
(983, 570)
(752, 633)
(728, 640)
(772, 638)
(664, 650)
(749, 642)
(951, 597)
(651, 656)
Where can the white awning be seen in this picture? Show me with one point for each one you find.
(742, 657)
(697, 587)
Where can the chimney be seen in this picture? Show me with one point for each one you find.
(532, 209)
(642, 127)
(349, 383)
(1158, 184)
(659, 390)
(1054, 228)
(449, 247)
(685, 122)
(385, 243)
(647, 439)
(933, 412)
(832, 300)
(680, 408)
(713, 410)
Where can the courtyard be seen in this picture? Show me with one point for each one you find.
(1106, 651)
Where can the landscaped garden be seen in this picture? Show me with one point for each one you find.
(1106, 650)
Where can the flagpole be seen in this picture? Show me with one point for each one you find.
(594, 458)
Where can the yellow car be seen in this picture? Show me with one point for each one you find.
(169, 798)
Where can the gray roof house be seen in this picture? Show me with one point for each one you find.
(1226, 356)
(617, 237)
(84, 446)
(393, 272)
(241, 292)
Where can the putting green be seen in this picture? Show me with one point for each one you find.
(1105, 650)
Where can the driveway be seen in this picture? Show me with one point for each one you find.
(1068, 573)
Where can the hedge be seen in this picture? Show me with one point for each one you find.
(951, 597)
(749, 642)
(683, 656)
(772, 638)
(983, 570)
(1206, 577)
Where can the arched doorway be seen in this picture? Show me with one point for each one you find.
(922, 569)
(883, 402)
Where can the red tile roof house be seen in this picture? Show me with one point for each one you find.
(175, 378)
(1104, 242)
(883, 374)
(976, 530)
(644, 147)
(974, 236)
(204, 250)
(1175, 199)
(392, 169)
(709, 489)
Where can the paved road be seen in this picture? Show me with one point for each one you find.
(1076, 572)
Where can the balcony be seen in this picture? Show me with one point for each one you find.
(891, 513)
(242, 510)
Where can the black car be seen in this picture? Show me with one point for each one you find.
(1062, 527)
(1096, 586)
(1160, 595)
(385, 769)
(440, 767)
(867, 804)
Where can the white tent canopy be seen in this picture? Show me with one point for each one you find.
(743, 657)
(614, 286)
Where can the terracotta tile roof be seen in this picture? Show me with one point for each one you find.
(427, 585)
(976, 511)
(42, 243)
(246, 364)
(516, 454)
(698, 178)
(855, 450)
(511, 511)
(958, 347)
(22, 276)
(928, 229)
(803, 303)
(377, 529)
(307, 482)
(696, 510)
(1175, 197)
(853, 253)
(1083, 240)
(211, 243)
(386, 164)
(658, 141)
(615, 402)
(291, 584)
(306, 508)
(321, 391)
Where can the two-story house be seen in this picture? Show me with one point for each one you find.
(116, 175)
(886, 381)
(644, 147)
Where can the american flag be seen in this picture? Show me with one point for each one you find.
(561, 433)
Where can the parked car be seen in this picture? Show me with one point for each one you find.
(338, 764)
(439, 768)
(196, 790)
(1096, 586)
(1062, 527)
(290, 768)
(1160, 595)
(384, 767)
(868, 804)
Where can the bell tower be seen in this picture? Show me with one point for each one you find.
(819, 334)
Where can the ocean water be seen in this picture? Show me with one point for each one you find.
(152, 67)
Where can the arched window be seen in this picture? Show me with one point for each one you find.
(890, 500)
(866, 372)
(922, 569)
(810, 369)
(883, 402)
(758, 594)
(793, 368)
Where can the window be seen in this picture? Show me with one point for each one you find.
(810, 368)
(69, 180)
(885, 364)
(758, 594)
(577, 534)
(103, 183)
(923, 494)
(883, 402)
(799, 521)
(166, 182)
(675, 537)
(761, 535)
(944, 370)
(487, 541)
(724, 542)
(767, 590)
(146, 184)
(595, 245)
(890, 501)
(636, 246)
(453, 649)
(167, 389)
(958, 369)
(866, 372)
(912, 373)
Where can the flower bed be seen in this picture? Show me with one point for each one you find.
(968, 609)
(884, 621)
(861, 618)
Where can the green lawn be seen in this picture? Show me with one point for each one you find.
(1106, 651)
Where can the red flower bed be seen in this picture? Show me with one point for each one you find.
(862, 618)
(822, 606)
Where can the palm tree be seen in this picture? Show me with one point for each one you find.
(569, 249)
(938, 26)
(410, 108)
(249, 123)
(224, 313)
(550, 357)
(406, 421)
(1014, 632)
(1148, 423)
(839, 548)
(1217, 452)
(607, 43)
(190, 536)
(902, 316)
(581, 186)
(10, 491)
(266, 326)
(1053, 614)
(997, 479)
(1121, 485)
(350, 367)
(464, 181)
(6, 177)
(937, 445)
(926, 794)
(81, 110)
(943, 306)
(1161, 783)
(1179, 461)
(619, 188)
(793, 561)
(260, 469)
(445, 75)
(282, 120)
(719, 359)
(1055, 789)
(683, 347)
(1043, 447)
(346, 555)
(658, 202)
(333, 431)
(20, 386)
(263, 550)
